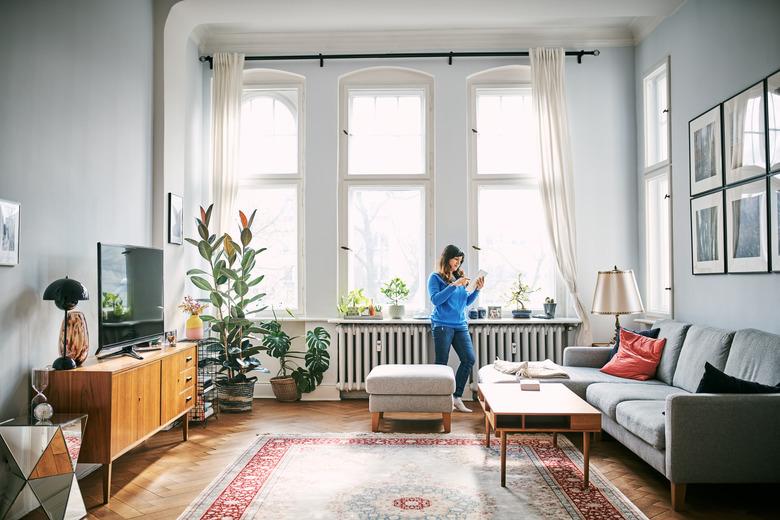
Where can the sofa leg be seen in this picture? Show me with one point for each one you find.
(447, 420)
(375, 418)
(678, 496)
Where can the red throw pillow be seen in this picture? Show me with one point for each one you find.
(637, 358)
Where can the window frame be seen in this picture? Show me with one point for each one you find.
(508, 180)
(270, 80)
(648, 76)
(383, 79)
(652, 171)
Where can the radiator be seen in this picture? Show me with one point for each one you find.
(361, 347)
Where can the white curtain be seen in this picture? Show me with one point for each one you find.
(225, 134)
(557, 181)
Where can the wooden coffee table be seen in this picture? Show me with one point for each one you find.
(554, 409)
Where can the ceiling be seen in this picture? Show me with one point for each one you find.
(296, 26)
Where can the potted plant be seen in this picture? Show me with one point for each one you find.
(194, 325)
(549, 307)
(228, 280)
(519, 295)
(396, 292)
(292, 379)
(354, 303)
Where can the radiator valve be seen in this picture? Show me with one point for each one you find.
(514, 348)
(379, 345)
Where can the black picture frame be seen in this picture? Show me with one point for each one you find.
(10, 232)
(713, 260)
(175, 219)
(709, 123)
(747, 222)
(739, 103)
(773, 134)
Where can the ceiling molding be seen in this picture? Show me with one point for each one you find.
(215, 38)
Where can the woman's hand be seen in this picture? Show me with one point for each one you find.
(480, 282)
(461, 282)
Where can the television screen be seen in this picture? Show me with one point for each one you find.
(130, 284)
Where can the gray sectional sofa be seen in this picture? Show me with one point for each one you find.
(688, 437)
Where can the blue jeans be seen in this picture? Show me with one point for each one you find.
(460, 340)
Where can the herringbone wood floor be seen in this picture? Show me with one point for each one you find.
(159, 478)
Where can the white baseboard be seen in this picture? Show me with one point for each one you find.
(322, 393)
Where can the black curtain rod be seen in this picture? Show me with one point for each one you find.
(392, 55)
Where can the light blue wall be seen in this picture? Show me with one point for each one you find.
(717, 48)
(76, 151)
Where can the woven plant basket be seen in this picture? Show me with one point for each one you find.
(285, 389)
(236, 397)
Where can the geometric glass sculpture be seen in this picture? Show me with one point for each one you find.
(37, 467)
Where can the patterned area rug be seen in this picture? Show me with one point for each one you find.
(407, 476)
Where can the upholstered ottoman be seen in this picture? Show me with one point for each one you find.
(410, 388)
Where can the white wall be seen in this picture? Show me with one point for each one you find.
(75, 150)
(717, 48)
(601, 101)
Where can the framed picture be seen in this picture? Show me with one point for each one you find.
(705, 156)
(707, 235)
(175, 219)
(494, 312)
(774, 221)
(746, 221)
(9, 232)
(773, 110)
(744, 134)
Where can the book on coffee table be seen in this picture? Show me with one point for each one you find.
(529, 384)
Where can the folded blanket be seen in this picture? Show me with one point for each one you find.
(531, 369)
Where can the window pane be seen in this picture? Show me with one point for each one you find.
(512, 238)
(386, 133)
(269, 132)
(657, 244)
(656, 117)
(505, 143)
(276, 228)
(387, 237)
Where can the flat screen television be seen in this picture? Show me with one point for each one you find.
(130, 307)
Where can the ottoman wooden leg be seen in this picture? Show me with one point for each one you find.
(375, 418)
(447, 420)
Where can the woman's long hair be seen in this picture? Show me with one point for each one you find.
(448, 254)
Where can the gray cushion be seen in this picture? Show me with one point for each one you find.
(410, 403)
(411, 380)
(701, 344)
(606, 396)
(755, 356)
(645, 419)
(674, 332)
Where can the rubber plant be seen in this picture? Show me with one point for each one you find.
(228, 280)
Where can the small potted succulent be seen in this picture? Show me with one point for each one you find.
(396, 292)
(519, 295)
(549, 307)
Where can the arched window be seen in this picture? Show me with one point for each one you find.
(385, 175)
(271, 180)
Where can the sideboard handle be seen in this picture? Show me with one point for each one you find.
(188, 359)
(189, 398)
(189, 378)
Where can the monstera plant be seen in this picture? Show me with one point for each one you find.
(237, 338)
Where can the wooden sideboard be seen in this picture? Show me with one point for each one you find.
(127, 400)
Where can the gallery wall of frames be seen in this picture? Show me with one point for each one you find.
(734, 159)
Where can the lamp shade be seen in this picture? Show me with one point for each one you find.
(617, 293)
(66, 293)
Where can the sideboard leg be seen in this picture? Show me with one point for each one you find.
(185, 426)
(107, 482)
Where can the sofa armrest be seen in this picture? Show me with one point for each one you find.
(592, 357)
(723, 438)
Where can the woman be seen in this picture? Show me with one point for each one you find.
(447, 290)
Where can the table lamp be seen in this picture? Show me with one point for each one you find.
(66, 294)
(617, 293)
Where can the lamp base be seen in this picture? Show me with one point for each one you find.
(617, 329)
(63, 363)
